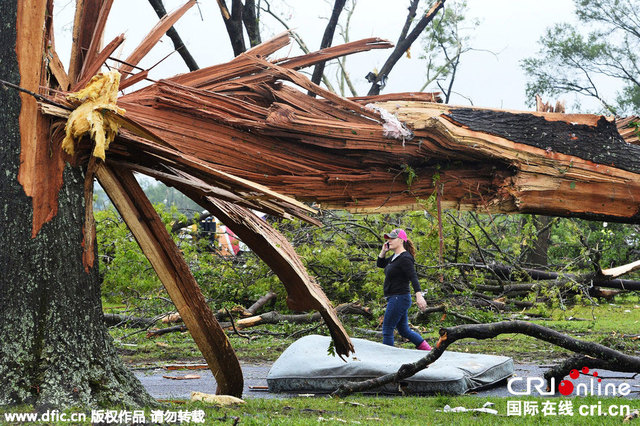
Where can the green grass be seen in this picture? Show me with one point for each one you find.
(402, 411)
(611, 324)
(607, 323)
(371, 410)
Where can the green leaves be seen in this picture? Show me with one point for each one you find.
(600, 52)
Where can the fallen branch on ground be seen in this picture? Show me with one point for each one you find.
(577, 362)
(486, 331)
(552, 278)
(261, 302)
(116, 320)
(161, 331)
(274, 318)
(446, 311)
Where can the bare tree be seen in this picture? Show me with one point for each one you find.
(327, 39)
(158, 6)
(405, 41)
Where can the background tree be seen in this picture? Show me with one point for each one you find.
(327, 39)
(573, 60)
(444, 42)
(411, 30)
(408, 35)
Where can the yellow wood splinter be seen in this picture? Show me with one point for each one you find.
(99, 96)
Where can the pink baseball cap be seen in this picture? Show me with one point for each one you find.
(396, 233)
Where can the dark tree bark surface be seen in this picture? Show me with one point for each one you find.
(327, 39)
(54, 347)
(251, 22)
(235, 27)
(538, 254)
(558, 136)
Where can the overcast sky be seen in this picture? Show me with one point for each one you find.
(509, 28)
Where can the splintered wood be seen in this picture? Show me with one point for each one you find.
(242, 119)
(252, 118)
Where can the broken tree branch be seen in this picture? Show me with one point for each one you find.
(550, 278)
(487, 331)
(261, 302)
(444, 309)
(616, 272)
(158, 246)
(159, 332)
(576, 362)
(116, 320)
(275, 317)
(154, 36)
(172, 33)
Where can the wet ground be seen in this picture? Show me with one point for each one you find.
(255, 380)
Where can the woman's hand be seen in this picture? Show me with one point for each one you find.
(385, 249)
(422, 304)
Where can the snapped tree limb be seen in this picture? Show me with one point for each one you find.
(487, 331)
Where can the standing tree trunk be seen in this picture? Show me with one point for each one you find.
(54, 347)
(538, 256)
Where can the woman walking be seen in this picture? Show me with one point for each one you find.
(399, 271)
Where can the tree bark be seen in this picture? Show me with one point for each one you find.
(54, 347)
(251, 22)
(234, 23)
(537, 254)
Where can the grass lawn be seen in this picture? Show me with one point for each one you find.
(615, 324)
(371, 410)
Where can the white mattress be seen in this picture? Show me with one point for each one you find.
(306, 366)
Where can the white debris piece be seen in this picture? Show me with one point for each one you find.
(485, 409)
(392, 127)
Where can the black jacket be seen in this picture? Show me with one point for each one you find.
(398, 273)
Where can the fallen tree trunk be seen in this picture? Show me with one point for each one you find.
(261, 302)
(511, 273)
(233, 115)
(114, 320)
(488, 331)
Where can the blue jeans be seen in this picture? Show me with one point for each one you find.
(395, 316)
